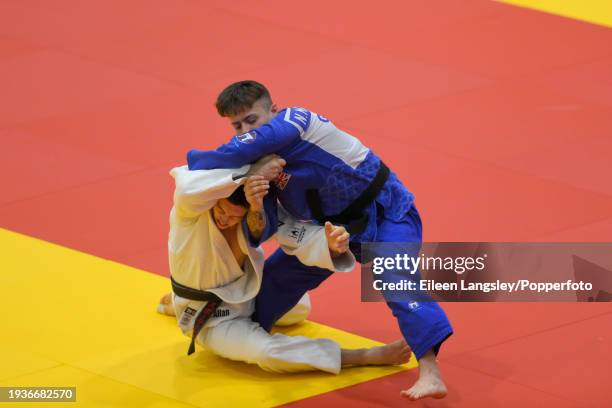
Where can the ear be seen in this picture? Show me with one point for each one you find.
(274, 108)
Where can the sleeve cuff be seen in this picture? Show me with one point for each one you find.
(239, 175)
(345, 262)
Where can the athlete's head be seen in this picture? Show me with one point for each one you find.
(247, 105)
(230, 211)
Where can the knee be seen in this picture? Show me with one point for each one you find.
(298, 313)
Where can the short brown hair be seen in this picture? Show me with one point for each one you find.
(240, 96)
(238, 197)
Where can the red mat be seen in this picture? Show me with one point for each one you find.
(498, 118)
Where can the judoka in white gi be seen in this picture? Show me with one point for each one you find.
(209, 251)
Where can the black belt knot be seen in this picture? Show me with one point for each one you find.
(213, 302)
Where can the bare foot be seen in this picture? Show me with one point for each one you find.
(165, 305)
(394, 353)
(391, 354)
(426, 387)
(430, 382)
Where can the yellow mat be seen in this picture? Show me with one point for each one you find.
(72, 319)
(592, 11)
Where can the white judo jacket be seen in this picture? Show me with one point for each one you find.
(201, 258)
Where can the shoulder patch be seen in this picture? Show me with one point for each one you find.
(247, 138)
(298, 117)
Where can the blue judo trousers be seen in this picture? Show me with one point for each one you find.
(320, 156)
(423, 323)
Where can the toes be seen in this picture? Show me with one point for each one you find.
(420, 391)
(412, 394)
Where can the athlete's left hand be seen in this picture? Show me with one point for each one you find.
(337, 239)
(255, 188)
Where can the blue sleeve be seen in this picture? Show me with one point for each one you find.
(271, 211)
(283, 130)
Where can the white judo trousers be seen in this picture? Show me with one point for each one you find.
(201, 258)
(241, 339)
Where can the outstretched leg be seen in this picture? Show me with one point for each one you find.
(243, 340)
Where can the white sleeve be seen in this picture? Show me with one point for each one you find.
(308, 243)
(197, 191)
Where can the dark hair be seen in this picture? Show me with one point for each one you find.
(238, 197)
(240, 96)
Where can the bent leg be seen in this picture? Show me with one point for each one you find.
(421, 320)
(285, 281)
(424, 325)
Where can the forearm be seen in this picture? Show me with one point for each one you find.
(256, 222)
(266, 167)
(269, 138)
(197, 191)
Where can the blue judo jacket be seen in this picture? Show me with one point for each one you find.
(318, 155)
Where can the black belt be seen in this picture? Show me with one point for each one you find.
(352, 216)
(213, 302)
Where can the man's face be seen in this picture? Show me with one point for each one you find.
(226, 214)
(259, 114)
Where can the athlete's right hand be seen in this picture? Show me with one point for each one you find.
(269, 167)
(337, 239)
(255, 188)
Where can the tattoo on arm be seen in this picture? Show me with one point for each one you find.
(256, 221)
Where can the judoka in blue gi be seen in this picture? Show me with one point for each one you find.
(329, 176)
